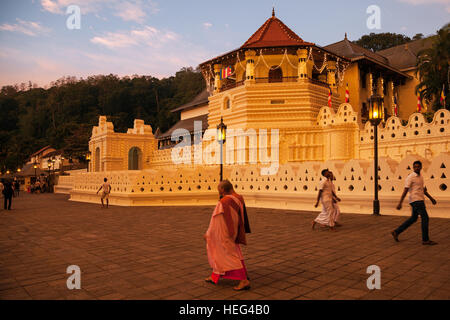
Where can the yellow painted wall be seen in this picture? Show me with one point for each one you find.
(407, 97)
(352, 77)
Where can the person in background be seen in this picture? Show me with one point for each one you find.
(105, 194)
(8, 193)
(336, 199)
(2, 187)
(325, 195)
(17, 187)
(37, 187)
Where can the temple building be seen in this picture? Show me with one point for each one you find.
(291, 108)
(387, 72)
(275, 72)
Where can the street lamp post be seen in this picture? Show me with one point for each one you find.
(88, 159)
(35, 167)
(61, 163)
(376, 115)
(49, 165)
(221, 137)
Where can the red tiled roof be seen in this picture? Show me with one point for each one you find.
(201, 98)
(40, 151)
(274, 33)
(187, 124)
(404, 56)
(351, 50)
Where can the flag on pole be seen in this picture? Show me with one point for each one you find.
(329, 97)
(419, 105)
(347, 94)
(226, 72)
(443, 95)
(395, 105)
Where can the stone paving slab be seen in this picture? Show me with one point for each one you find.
(159, 253)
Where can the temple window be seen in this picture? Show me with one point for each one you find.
(135, 159)
(97, 159)
(275, 74)
(364, 111)
(227, 104)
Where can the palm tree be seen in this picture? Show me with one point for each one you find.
(433, 70)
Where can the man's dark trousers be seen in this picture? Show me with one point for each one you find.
(8, 200)
(418, 209)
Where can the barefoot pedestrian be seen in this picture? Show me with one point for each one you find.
(224, 236)
(105, 194)
(325, 195)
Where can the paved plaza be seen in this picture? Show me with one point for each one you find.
(159, 253)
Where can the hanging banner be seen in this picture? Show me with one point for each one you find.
(226, 72)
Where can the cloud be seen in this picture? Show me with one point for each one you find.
(60, 6)
(146, 36)
(29, 28)
(129, 10)
(207, 25)
(446, 3)
(135, 56)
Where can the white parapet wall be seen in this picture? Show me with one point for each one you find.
(293, 187)
(65, 182)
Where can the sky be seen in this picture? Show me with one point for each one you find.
(159, 37)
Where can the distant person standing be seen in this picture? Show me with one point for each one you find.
(8, 192)
(2, 187)
(17, 187)
(415, 186)
(105, 194)
(37, 187)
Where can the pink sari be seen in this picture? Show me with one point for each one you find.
(224, 234)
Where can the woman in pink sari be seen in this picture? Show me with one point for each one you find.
(223, 238)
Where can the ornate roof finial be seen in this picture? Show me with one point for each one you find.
(346, 36)
(273, 11)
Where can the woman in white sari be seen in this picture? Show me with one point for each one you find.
(326, 216)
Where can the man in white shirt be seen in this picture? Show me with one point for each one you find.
(105, 194)
(415, 186)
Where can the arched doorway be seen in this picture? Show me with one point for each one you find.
(275, 74)
(135, 159)
(97, 160)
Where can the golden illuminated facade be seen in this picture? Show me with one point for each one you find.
(294, 91)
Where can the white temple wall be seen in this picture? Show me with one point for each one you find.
(293, 187)
(336, 143)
